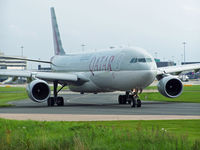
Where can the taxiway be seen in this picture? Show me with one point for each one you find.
(102, 104)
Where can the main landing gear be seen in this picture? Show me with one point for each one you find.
(130, 98)
(56, 99)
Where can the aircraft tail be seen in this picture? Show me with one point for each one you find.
(58, 49)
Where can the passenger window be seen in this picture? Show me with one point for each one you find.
(133, 60)
(148, 60)
(141, 60)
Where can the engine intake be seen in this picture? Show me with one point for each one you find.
(38, 91)
(170, 86)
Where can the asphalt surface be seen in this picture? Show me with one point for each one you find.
(102, 104)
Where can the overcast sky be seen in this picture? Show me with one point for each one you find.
(158, 26)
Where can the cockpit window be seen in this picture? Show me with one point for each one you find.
(141, 60)
(133, 60)
(148, 60)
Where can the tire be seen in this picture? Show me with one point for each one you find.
(124, 99)
(60, 101)
(129, 102)
(120, 99)
(139, 103)
(129, 99)
(50, 101)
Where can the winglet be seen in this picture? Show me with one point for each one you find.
(58, 49)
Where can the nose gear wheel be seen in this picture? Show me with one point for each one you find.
(131, 97)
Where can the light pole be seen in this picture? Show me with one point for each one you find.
(172, 58)
(22, 50)
(182, 59)
(83, 47)
(156, 55)
(184, 43)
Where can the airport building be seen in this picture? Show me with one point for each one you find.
(164, 63)
(44, 68)
(7, 62)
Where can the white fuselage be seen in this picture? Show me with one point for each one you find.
(109, 70)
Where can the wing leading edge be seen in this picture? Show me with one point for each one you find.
(49, 76)
(178, 69)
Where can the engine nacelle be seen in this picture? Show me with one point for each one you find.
(38, 91)
(170, 86)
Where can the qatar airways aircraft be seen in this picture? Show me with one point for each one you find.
(118, 69)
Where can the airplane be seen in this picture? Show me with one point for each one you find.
(128, 69)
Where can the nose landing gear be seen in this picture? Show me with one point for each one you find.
(131, 97)
(134, 98)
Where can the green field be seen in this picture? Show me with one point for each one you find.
(188, 97)
(8, 94)
(191, 94)
(185, 88)
(110, 135)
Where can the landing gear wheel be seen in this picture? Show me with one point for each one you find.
(50, 101)
(55, 99)
(60, 101)
(124, 99)
(139, 103)
(120, 99)
(133, 102)
(129, 101)
(130, 97)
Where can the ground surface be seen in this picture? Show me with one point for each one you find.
(100, 107)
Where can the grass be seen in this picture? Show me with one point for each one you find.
(10, 88)
(151, 88)
(112, 135)
(185, 88)
(190, 95)
(8, 97)
(192, 88)
(65, 88)
(8, 94)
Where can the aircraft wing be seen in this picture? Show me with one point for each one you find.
(26, 59)
(49, 76)
(178, 69)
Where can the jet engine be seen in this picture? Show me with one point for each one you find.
(170, 86)
(38, 91)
